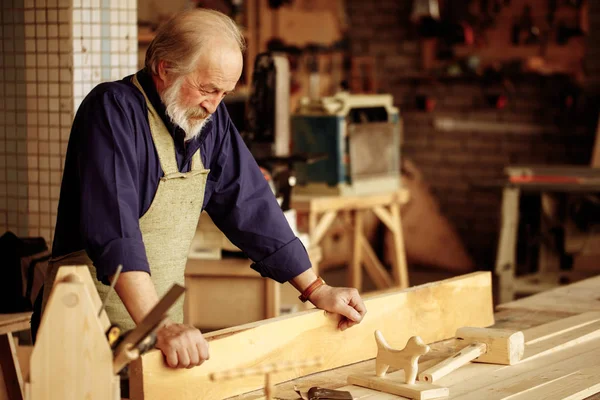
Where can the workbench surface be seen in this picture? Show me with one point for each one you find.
(521, 314)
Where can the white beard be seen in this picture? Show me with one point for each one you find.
(182, 116)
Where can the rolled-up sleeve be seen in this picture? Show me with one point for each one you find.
(108, 178)
(243, 206)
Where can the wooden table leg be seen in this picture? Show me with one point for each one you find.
(507, 245)
(355, 271)
(400, 269)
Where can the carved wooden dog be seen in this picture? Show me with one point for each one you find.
(407, 358)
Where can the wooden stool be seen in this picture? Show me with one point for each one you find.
(323, 210)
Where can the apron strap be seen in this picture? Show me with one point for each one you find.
(165, 147)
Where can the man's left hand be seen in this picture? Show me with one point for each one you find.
(343, 301)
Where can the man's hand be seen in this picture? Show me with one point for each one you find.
(183, 345)
(343, 301)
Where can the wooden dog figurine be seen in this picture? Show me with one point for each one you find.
(407, 358)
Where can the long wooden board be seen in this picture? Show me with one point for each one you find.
(434, 311)
(578, 297)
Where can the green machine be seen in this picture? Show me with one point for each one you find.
(361, 135)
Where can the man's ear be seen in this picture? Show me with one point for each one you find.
(163, 68)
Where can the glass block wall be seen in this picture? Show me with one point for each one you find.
(52, 53)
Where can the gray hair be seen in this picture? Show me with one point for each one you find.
(181, 40)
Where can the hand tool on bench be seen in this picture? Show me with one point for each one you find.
(317, 393)
(142, 337)
(485, 345)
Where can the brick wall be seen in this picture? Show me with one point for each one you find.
(464, 141)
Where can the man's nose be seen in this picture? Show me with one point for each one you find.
(211, 104)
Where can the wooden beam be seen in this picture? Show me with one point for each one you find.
(355, 271)
(399, 266)
(336, 203)
(385, 217)
(322, 227)
(374, 267)
(433, 311)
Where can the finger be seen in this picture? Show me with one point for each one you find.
(171, 356)
(194, 355)
(343, 325)
(358, 304)
(350, 313)
(203, 351)
(184, 357)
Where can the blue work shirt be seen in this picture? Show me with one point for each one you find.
(112, 172)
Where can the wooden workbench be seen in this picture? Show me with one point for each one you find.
(520, 314)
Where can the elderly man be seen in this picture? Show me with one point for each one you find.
(146, 154)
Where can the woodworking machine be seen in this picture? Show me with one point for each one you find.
(360, 133)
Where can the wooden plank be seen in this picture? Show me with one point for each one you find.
(562, 341)
(578, 297)
(506, 382)
(336, 203)
(579, 385)
(563, 325)
(433, 311)
(14, 322)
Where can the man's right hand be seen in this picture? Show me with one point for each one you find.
(183, 345)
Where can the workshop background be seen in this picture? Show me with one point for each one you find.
(479, 85)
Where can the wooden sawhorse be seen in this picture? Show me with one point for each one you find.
(322, 211)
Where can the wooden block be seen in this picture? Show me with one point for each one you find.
(433, 311)
(503, 346)
(418, 391)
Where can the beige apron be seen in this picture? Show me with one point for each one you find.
(168, 226)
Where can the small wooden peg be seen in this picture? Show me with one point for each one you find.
(407, 358)
(265, 370)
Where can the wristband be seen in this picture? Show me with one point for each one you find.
(310, 289)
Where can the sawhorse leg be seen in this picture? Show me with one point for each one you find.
(507, 244)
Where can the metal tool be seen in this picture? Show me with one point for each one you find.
(142, 337)
(110, 290)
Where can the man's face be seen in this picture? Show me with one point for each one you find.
(192, 98)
